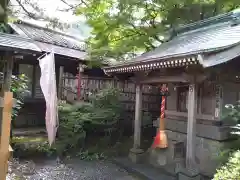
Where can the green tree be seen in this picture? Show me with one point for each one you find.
(123, 28)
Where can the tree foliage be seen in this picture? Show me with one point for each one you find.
(32, 9)
(123, 28)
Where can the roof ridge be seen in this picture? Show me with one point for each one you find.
(20, 21)
(229, 16)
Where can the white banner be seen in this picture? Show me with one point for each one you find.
(49, 89)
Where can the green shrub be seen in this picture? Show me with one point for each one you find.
(230, 171)
(230, 155)
(103, 111)
(70, 131)
(19, 87)
(231, 116)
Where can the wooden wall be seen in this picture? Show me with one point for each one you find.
(151, 98)
(206, 98)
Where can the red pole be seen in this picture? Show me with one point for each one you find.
(162, 115)
(160, 140)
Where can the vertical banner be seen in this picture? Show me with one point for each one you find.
(49, 89)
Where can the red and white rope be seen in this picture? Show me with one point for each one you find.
(163, 107)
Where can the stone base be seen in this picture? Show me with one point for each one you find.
(186, 174)
(136, 155)
(158, 157)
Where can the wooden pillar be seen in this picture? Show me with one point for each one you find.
(218, 101)
(60, 82)
(8, 73)
(5, 134)
(191, 127)
(34, 78)
(79, 77)
(135, 153)
(138, 117)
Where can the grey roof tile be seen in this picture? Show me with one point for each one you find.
(50, 40)
(210, 35)
(15, 42)
(199, 41)
(208, 60)
(49, 36)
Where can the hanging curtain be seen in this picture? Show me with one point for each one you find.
(49, 89)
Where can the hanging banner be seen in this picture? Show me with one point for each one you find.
(49, 89)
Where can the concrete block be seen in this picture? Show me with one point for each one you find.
(136, 155)
(158, 157)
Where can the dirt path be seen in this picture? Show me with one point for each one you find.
(73, 170)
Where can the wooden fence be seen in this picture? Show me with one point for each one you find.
(151, 98)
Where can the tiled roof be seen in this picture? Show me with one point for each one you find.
(49, 40)
(212, 37)
(230, 16)
(208, 39)
(46, 35)
(15, 42)
(209, 60)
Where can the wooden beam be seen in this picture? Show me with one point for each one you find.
(197, 78)
(5, 134)
(185, 115)
(191, 126)
(183, 78)
(163, 79)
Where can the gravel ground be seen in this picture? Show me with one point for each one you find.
(73, 170)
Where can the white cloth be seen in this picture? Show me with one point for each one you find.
(49, 89)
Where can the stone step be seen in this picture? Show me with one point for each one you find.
(29, 132)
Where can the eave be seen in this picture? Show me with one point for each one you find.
(154, 64)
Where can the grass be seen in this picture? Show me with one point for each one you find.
(28, 139)
(95, 147)
(28, 146)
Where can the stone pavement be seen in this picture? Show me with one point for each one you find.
(144, 171)
(73, 170)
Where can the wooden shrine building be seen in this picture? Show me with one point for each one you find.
(69, 54)
(200, 65)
